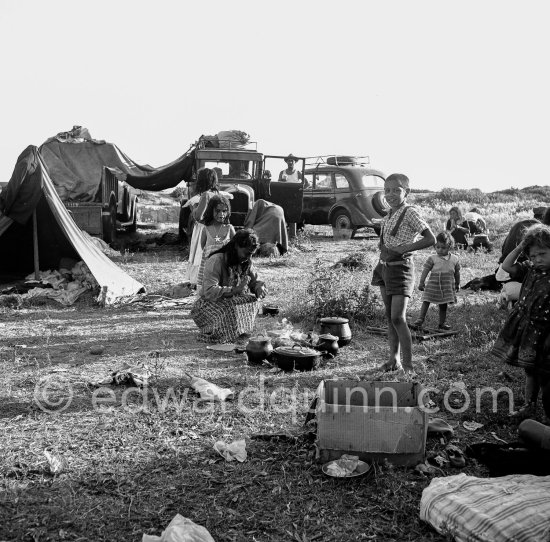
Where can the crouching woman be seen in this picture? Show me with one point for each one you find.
(229, 296)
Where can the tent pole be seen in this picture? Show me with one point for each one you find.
(35, 246)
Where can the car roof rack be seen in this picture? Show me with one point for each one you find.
(336, 160)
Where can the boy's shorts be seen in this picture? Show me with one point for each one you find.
(397, 279)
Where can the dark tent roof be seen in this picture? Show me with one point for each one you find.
(75, 163)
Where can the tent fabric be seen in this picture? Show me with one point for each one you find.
(114, 282)
(75, 162)
(58, 235)
(21, 195)
(268, 221)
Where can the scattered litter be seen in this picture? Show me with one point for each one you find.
(233, 450)
(438, 425)
(96, 350)
(181, 529)
(456, 456)
(497, 438)
(209, 391)
(348, 466)
(472, 426)
(222, 347)
(137, 375)
(55, 462)
(439, 459)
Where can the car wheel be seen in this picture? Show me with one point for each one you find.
(342, 220)
(109, 224)
(380, 204)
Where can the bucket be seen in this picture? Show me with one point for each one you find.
(341, 234)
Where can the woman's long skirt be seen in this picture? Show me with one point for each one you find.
(195, 254)
(224, 320)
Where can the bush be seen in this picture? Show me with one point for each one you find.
(335, 291)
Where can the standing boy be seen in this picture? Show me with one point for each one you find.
(403, 231)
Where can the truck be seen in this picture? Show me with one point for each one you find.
(245, 173)
(114, 204)
(90, 177)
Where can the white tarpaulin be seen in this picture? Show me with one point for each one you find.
(114, 282)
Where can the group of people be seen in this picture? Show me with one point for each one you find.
(524, 340)
(221, 267)
(468, 231)
(229, 288)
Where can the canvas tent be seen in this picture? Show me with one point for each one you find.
(33, 191)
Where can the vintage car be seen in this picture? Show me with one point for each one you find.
(343, 191)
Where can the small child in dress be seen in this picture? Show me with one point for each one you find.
(217, 230)
(524, 341)
(444, 281)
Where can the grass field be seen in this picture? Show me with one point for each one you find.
(131, 460)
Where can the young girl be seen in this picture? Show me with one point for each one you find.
(207, 186)
(444, 281)
(217, 230)
(525, 338)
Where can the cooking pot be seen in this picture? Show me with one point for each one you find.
(258, 349)
(296, 357)
(328, 343)
(337, 326)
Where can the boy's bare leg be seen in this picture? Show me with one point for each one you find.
(393, 338)
(399, 324)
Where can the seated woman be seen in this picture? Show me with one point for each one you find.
(229, 294)
(478, 228)
(456, 227)
(268, 221)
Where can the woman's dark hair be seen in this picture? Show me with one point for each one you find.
(445, 238)
(546, 217)
(536, 236)
(206, 180)
(457, 211)
(243, 238)
(208, 217)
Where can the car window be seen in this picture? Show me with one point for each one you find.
(341, 181)
(323, 181)
(370, 181)
(308, 180)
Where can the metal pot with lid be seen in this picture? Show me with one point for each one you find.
(335, 325)
(299, 358)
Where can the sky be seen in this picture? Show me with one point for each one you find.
(453, 94)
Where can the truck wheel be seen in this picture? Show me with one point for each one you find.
(132, 228)
(342, 220)
(109, 224)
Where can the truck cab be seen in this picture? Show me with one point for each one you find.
(242, 171)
